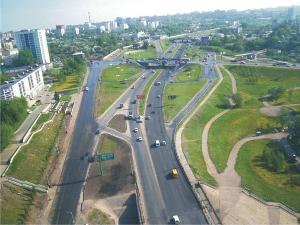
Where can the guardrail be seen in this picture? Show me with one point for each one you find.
(275, 204)
(27, 185)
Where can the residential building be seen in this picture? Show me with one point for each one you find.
(292, 13)
(143, 22)
(60, 30)
(36, 42)
(27, 84)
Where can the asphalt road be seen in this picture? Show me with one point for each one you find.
(178, 197)
(82, 142)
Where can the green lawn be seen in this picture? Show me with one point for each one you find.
(254, 82)
(140, 54)
(96, 216)
(194, 53)
(71, 81)
(33, 159)
(232, 127)
(268, 185)
(192, 134)
(146, 91)
(111, 88)
(184, 93)
(190, 72)
(165, 44)
(174, 51)
(42, 119)
(107, 144)
(15, 203)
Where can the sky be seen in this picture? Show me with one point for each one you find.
(25, 14)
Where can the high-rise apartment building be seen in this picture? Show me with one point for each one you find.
(36, 42)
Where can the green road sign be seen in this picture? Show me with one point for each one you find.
(107, 156)
(104, 157)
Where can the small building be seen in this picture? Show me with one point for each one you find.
(27, 84)
(79, 55)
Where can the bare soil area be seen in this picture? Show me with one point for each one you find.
(112, 193)
(118, 123)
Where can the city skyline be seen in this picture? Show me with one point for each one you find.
(76, 12)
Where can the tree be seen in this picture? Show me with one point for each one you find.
(237, 98)
(274, 158)
(275, 92)
(145, 44)
(12, 114)
(25, 58)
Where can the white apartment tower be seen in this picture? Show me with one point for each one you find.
(36, 42)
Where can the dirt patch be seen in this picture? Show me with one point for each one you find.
(113, 193)
(271, 111)
(117, 176)
(118, 123)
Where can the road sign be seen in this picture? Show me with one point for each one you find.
(172, 97)
(105, 156)
(142, 96)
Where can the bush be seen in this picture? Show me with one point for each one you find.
(274, 159)
(13, 114)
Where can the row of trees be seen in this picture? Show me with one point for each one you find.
(283, 37)
(13, 114)
(24, 58)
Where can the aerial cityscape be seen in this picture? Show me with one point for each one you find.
(138, 112)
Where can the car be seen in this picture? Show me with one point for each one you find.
(157, 96)
(133, 101)
(175, 219)
(157, 83)
(152, 112)
(28, 111)
(121, 105)
(132, 87)
(174, 173)
(163, 143)
(149, 105)
(139, 139)
(97, 131)
(157, 143)
(143, 77)
(147, 117)
(139, 119)
(135, 130)
(86, 89)
(258, 133)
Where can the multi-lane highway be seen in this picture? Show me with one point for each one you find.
(82, 142)
(163, 197)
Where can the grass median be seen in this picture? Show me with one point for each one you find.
(184, 92)
(269, 185)
(146, 91)
(165, 44)
(148, 53)
(114, 81)
(192, 134)
(193, 53)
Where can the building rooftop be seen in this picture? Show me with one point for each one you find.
(19, 76)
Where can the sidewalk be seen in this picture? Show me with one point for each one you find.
(8, 152)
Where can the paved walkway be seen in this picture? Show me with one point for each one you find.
(235, 206)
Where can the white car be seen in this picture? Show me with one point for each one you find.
(135, 130)
(175, 219)
(158, 96)
(139, 139)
